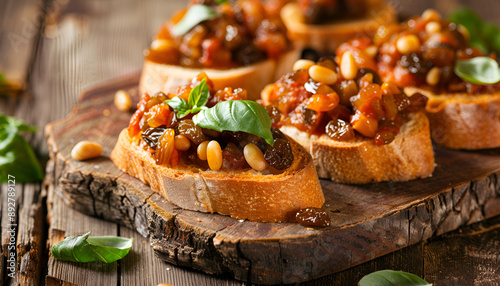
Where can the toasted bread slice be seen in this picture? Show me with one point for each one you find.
(242, 195)
(157, 77)
(326, 38)
(463, 121)
(409, 156)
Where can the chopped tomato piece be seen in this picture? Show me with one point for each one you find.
(133, 127)
(365, 125)
(323, 102)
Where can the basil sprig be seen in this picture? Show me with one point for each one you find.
(391, 278)
(195, 15)
(478, 70)
(17, 158)
(197, 99)
(483, 35)
(237, 115)
(97, 248)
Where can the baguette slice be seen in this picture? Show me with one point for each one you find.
(326, 38)
(241, 195)
(462, 121)
(409, 156)
(161, 77)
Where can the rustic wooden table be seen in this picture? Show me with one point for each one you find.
(56, 49)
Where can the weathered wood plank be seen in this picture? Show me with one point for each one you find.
(64, 222)
(142, 267)
(466, 256)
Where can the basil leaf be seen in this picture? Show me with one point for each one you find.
(177, 103)
(219, 2)
(198, 96)
(182, 114)
(17, 158)
(237, 115)
(86, 249)
(195, 15)
(478, 70)
(2, 79)
(392, 278)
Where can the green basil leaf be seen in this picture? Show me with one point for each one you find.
(17, 158)
(182, 114)
(2, 79)
(237, 115)
(195, 15)
(177, 103)
(392, 278)
(198, 96)
(478, 70)
(86, 249)
(219, 2)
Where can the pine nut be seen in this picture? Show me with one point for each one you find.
(202, 150)
(408, 44)
(433, 27)
(84, 150)
(254, 157)
(371, 51)
(348, 66)
(322, 74)
(433, 76)
(181, 142)
(122, 100)
(431, 15)
(302, 65)
(161, 45)
(214, 155)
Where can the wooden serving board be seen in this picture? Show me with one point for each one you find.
(367, 221)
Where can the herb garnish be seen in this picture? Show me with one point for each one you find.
(233, 115)
(195, 15)
(86, 249)
(478, 70)
(197, 99)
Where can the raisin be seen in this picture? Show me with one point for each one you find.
(441, 56)
(384, 136)
(280, 155)
(191, 131)
(274, 114)
(233, 158)
(151, 136)
(340, 130)
(313, 217)
(415, 63)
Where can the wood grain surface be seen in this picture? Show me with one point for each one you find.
(367, 221)
(78, 44)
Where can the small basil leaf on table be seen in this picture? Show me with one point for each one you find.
(392, 278)
(195, 15)
(478, 70)
(86, 249)
(16, 155)
(237, 115)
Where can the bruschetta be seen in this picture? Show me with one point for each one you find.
(215, 151)
(358, 129)
(424, 55)
(238, 45)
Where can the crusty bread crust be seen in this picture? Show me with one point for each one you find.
(463, 121)
(242, 195)
(326, 38)
(409, 156)
(166, 78)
